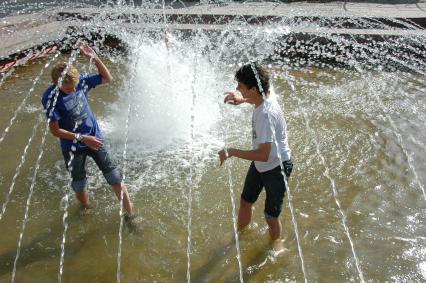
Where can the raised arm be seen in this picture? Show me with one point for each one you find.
(102, 69)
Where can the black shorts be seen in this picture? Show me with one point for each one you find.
(273, 181)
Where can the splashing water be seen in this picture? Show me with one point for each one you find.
(355, 105)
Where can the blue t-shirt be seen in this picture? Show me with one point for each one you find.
(72, 109)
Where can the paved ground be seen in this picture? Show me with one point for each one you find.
(311, 8)
(23, 32)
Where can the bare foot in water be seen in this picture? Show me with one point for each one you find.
(278, 247)
(134, 223)
(86, 210)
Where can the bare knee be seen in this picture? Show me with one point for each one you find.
(118, 187)
(272, 221)
(245, 204)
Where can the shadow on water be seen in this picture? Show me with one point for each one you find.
(44, 247)
(251, 264)
(202, 274)
(36, 251)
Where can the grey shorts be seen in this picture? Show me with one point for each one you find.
(273, 181)
(108, 167)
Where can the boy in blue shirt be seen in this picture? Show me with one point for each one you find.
(73, 122)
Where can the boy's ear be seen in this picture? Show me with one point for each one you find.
(254, 88)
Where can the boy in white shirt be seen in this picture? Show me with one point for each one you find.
(267, 153)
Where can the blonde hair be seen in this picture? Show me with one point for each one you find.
(72, 76)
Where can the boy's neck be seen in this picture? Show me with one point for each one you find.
(258, 100)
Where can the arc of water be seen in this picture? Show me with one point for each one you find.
(164, 15)
(18, 169)
(229, 171)
(120, 231)
(73, 57)
(16, 63)
(361, 47)
(413, 62)
(66, 205)
(332, 181)
(300, 251)
(343, 216)
(124, 157)
(5, 76)
(52, 99)
(229, 180)
(398, 135)
(408, 24)
(27, 206)
(393, 125)
(231, 193)
(53, 95)
(287, 187)
(333, 186)
(190, 178)
(120, 235)
(64, 233)
(286, 184)
(395, 130)
(166, 40)
(18, 110)
(71, 152)
(399, 61)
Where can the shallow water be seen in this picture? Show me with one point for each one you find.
(385, 207)
(357, 138)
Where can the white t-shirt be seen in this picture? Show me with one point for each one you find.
(262, 132)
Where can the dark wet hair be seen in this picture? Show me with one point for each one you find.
(246, 76)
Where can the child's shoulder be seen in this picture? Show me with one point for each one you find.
(47, 94)
(48, 90)
(86, 78)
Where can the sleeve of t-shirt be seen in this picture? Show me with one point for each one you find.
(91, 81)
(263, 129)
(47, 105)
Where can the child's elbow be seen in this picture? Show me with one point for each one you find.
(54, 133)
(107, 79)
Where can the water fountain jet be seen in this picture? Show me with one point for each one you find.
(308, 52)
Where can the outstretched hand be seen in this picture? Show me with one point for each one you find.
(232, 98)
(87, 51)
(225, 154)
(222, 156)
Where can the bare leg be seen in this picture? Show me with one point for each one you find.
(274, 224)
(244, 214)
(126, 200)
(83, 197)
